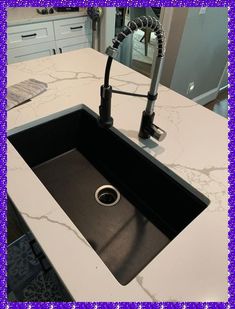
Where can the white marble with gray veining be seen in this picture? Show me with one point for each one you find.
(193, 267)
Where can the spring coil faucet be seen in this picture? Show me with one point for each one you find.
(147, 128)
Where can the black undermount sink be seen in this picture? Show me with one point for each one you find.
(73, 157)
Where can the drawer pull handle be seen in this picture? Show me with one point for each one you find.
(28, 35)
(54, 52)
(60, 49)
(74, 28)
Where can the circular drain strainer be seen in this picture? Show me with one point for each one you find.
(107, 195)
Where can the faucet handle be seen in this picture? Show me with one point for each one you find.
(147, 128)
(157, 133)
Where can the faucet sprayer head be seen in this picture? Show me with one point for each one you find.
(142, 23)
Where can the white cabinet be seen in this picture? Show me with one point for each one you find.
(30, 41)
(31, 52)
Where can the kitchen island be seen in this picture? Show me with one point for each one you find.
(193, 267)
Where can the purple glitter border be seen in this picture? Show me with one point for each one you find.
(3, 157)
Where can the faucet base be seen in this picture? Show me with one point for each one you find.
(147, 128)
(105, 124)
(105, 119)
(146, 122)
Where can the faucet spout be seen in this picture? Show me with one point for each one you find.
(147, 127)
(153, 91)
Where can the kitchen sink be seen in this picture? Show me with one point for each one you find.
(127, 204)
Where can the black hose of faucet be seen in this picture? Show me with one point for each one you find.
(107, 72)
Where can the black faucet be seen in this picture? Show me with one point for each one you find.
(147, 128)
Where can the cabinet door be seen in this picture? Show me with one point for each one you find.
(72, 44)
(32, 52)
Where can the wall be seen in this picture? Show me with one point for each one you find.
(196, 52)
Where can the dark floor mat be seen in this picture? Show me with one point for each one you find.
(27, 279)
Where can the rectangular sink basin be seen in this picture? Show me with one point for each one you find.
(73, 157)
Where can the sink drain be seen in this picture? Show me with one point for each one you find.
(107, 195)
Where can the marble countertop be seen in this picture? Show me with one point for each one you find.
(193, 267)
(20, 16)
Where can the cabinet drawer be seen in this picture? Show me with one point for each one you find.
(32, 52)
(24, 35)
(72, 27)
(73, 44)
